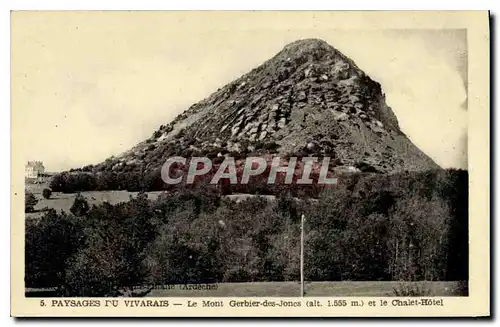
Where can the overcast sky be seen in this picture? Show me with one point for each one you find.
(92, 85)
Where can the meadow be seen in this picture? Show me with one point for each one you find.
(63, 201)
(292, 289)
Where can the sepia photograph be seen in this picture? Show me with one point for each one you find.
(209, 156)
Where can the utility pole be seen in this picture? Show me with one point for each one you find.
(302, 256)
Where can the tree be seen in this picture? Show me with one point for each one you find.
(80, 206)
(370, 227)
(46, 193)
(59, 182)
(30, 202)
(49, 243)
(99, 267)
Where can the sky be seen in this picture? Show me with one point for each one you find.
(91, 85)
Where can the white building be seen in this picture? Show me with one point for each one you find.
(34, 169)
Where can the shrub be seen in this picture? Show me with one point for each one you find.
(406, 289)
(46, 193)
(80, 206)
(259, 145)
(271, 146)
(30, 202)
(462, 288)
(87, 168)
(157, 134)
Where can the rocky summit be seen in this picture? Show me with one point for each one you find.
(309, 99)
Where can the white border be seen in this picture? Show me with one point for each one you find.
(6, 6)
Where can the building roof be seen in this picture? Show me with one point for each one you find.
(34, 164)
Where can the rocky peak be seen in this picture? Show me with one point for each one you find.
(305, 47)
(308, 93)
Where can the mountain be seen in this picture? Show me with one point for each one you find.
(309, 99)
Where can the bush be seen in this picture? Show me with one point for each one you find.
(46, 193)
(271, 146)
(30, 202)
(80, 206)
(87, 168)
(157, 134)
(407, 289)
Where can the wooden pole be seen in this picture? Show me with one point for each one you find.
(302, 256)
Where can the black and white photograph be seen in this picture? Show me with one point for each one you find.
(178, 159)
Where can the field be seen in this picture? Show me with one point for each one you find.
(62, 201)
(292, 289)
